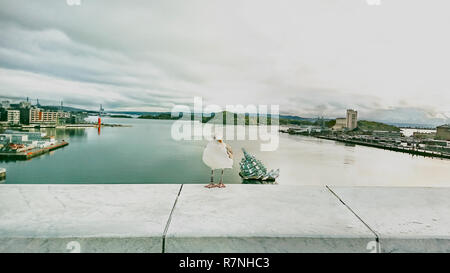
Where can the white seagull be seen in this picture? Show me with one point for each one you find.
(217, 155)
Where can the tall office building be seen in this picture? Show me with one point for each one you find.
(24, 108)
(352, 119)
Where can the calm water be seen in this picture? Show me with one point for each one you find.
(146, 153)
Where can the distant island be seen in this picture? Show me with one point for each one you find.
(120, 116)
(162, 115)
(248, 119)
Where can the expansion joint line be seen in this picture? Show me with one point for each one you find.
(377, 237)
(163, 249)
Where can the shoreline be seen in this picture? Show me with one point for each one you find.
(420, 152)
(66, 126)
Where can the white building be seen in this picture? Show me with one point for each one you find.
(13, 116)
(341, 123)
(30, 140)
(39, 116)
(31, 135)
(350, 122)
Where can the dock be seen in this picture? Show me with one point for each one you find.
(32, 153)
(241, 218)
(394, 148)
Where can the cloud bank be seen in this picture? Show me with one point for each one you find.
(313, 58)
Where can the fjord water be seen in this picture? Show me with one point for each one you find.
(146, 153)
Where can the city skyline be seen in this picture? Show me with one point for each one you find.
(311, 58)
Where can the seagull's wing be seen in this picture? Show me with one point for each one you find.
(229, 151)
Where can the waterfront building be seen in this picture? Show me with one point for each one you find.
(350, 122)
(49, 117)
(24, 108)
(13, 138)
(29, 114)
(352, 119)
(443, 132)
(34, 115)
(340, 125)
(63, 115)
(37, 115)
(21, 141)
(13, 116)
(24, 116)
(30, 135)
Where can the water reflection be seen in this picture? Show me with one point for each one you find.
(66, 133)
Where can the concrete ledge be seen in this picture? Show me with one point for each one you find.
(405, 219)
(239, 218)
(264, 218)
(100, 218)
(97, 244)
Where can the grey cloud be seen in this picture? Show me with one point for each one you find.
(310, 57)
(408, 115)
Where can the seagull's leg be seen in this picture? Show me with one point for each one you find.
(221, 184)
(211, 184)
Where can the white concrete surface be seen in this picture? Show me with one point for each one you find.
(96, 218)
(264, 218)
(239, 218)
(406, 219)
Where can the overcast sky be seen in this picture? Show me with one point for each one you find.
(316, 57)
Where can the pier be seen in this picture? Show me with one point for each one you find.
(395, 148)
(32, 153)
(239, 218)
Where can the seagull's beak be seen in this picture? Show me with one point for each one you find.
(220, 141)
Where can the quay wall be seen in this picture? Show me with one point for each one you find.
(391, 148)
